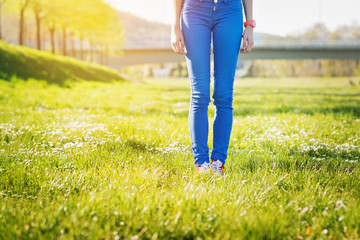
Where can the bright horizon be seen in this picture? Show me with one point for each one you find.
(270, 16)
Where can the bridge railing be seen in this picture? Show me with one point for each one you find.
(277, 43)
(310, 42)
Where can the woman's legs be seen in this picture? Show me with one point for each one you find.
(227, 35)
(197, 22)
(197, 34)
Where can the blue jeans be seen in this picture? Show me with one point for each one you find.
(225, 20)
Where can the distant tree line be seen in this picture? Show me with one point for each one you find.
(82, 21)
(311, 67)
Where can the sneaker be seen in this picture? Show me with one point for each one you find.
(203, 167)
(217, 166)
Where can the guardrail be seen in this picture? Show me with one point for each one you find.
(311, 42)
(276, 43)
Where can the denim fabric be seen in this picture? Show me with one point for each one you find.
(224, 19)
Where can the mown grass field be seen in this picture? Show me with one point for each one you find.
(97, 160)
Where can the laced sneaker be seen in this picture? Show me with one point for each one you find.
(203, 167)
(217, 166)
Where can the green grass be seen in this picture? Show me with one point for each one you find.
(26, 63)
(113, 161)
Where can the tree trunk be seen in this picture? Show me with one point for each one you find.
(43, 39)
(73, 53)
(101, 54)
(107, 55)
(21, 27)
(64, 41)
(1, 20)
(319, 67)
(21, 22)
(38, 30)
(91, 51)
(81, 49)
(59, 42)
(52, 39)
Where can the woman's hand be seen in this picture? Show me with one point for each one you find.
(248, 40)
(177, 40)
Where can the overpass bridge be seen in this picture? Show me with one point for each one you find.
(266, 49)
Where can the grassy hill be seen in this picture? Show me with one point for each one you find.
(25, 63)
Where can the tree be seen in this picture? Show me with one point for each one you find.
(99, 32)
(22, 5)
(39, 8)
(319, 30)
(52, 19)
(90, 22)
(18, 8)
(2, 2)
(65, 18)
(107, 32)
(347, 32)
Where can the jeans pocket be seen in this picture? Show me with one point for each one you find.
(235, 5)
(190, 4)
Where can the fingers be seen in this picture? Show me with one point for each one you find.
(251, 44)
(182, 44)
(244, 43)
(175, 47)
(248, 44)
(178, 46)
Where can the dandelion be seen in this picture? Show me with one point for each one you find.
(340, 204)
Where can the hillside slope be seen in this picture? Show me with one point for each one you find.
(143, 33)
(26, 63)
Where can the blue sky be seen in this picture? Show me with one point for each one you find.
(279, 17)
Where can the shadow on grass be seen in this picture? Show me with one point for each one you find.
(297, 163)
(281, 101)
(253, 111)
(300, 91)
(137, 145)
(353, 110)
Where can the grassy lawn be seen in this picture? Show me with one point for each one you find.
(97, 160)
